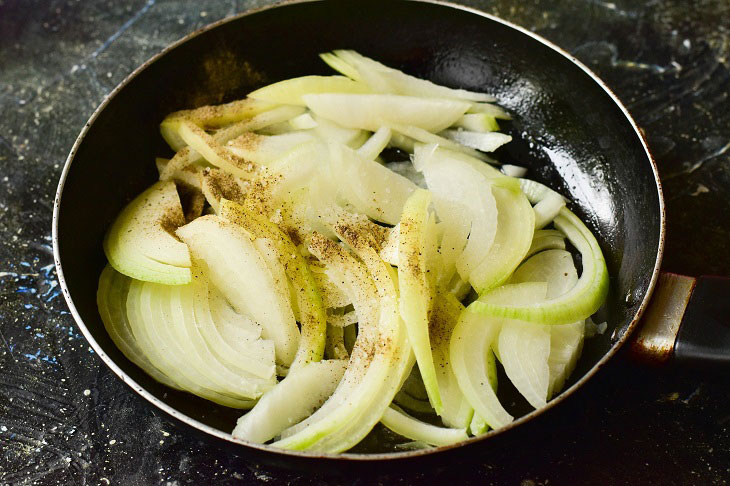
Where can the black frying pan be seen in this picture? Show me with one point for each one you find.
(569, 130)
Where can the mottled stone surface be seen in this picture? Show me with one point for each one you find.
(66, 419)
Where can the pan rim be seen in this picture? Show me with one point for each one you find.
(390, 456)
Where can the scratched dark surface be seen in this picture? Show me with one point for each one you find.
(66, 419)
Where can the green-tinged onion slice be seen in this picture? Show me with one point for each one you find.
(359, 67)
(371, 111)
(111, 299)
(578, 303)
(470, 344)
(312, 314)
(546, 240)
(290, 91)
(237, 269)
(411, 428)
(515, 227)
(139, 243)
(293, 399)
(415, 291)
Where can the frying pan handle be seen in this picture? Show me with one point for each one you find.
(688, 320)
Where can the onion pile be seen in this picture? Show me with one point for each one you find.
(332, 252)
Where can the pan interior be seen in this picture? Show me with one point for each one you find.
(567, 130)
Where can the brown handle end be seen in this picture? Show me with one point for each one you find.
(654, 341)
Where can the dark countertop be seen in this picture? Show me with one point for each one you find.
(66, 419)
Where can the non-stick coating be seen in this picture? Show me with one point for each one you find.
(568, 131)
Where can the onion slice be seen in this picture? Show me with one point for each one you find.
(401, 423)
(309, 302)
(293, 399)
(415, 292)
(237, 269)
(578, 303)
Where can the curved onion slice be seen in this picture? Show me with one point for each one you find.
(211, 117)
(177, 303)
(415, 292)
(266, 149)
(111, 299)
(478, 425)
(411, 428)
(524, 348)
(546, 240)
(187, 155)
(140, 244)
(370, 187)
(232, 326)
(239, 350)
(477, 122)
(146, 310)
(444, 315)
(453, 180)
(371, 111)
(290, 91)
(343, 267)
(311, 311)
(294, 398)
(331, 289)
(237, 269)
(579, 302)
(515, 227)
(556, 268)
(375, 144)
(359, 67)
(483, 141)
(470, 344)
(355, 415)
(566, 344)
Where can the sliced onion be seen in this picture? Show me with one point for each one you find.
(524, 348)
(375, 144)
(546, 240)
(556, 268)
(415, 290)
(211, 117)
(483, 141)
(407, 426)
(290, 91)
(515, 227)
(229, 339)
(370, 187)
(293, 399)
(357, 66)
(237, 269)
(371, 111)
(111, 299)
(470, 345)
(284, 256)
(577, 304)
(351, 417)
(266, 149)
(187, 155)
(146, 309)
(456, 411)
(139, 244)
(455, 181)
